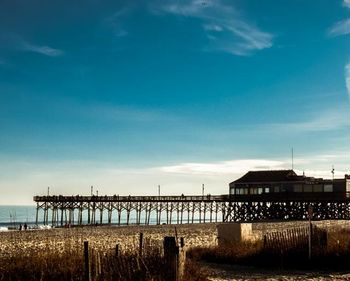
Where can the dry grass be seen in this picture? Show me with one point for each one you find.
(335, 256)
(57, 254)
(103, 238)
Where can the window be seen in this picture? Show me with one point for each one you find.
(276, 189)
(328, 188)
(233, 190)
(241, 191)
(260, 190)
(318, 188)
(307, 188)
(267, 190)
(254, 190)
(298, 188)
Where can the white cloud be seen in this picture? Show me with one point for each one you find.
(75, 177)
(225, 167)
(237, 36)
(44, 50)
(314, 166)
(340, 28)
(347, 77)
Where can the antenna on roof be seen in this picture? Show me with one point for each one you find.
(332, 172)
(292, 158)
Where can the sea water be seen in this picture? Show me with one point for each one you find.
(12, 216)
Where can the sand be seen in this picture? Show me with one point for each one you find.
(245, 273)
(104, 238)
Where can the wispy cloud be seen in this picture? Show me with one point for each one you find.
(340, 28)
(225, 27)
(317, 166)
(225, 167)
(326, 121)
(109, 112)
(115, 22)
(347, 77)
(44, 50)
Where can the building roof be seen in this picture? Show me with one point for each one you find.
(268, 176)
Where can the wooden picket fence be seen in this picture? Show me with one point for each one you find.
(295, 240)
(147, 263)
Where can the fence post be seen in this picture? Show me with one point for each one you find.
(99, 266)
(87, 273)
(181, 259)
(171, 255)
(310, 211)
(116, 250)
(140, 244)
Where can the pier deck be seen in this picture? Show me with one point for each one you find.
(190, 209)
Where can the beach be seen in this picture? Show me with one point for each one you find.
(105, 238)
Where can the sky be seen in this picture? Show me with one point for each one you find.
(128, 95)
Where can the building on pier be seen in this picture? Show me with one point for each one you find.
(284, 195)
(275, 182)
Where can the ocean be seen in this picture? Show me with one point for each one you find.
(12, 216)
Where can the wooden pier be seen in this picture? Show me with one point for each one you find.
(173, 209)
(190, 209)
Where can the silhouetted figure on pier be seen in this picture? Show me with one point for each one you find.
(20, 227)
(25, 226)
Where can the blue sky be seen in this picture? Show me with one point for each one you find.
(126, 95)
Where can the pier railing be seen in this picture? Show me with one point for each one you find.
(192, 208)
(117, 198)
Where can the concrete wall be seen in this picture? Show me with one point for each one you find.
(231, 233)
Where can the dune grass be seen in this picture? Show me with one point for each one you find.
(334, 256)
(58, 254)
